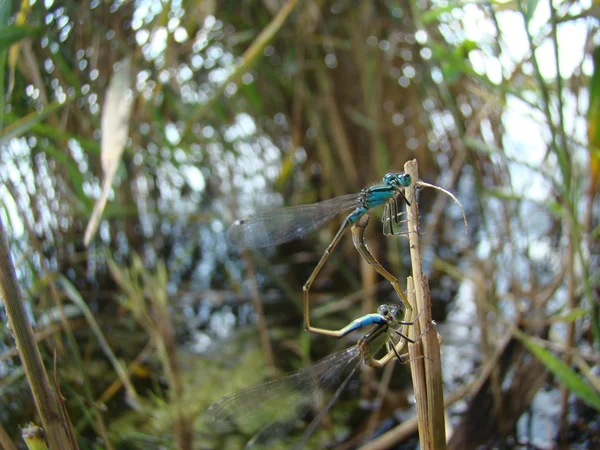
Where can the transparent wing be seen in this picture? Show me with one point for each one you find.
(272, 407)
(319, 417)
(287, 224)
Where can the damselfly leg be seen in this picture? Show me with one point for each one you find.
(287, 224)
(358, 239)
(391, 217)
(313, 276)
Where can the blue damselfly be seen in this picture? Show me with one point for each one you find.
(272, 406)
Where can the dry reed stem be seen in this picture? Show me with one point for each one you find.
(417, 369)
(409, 427)
(426, 372)
(37, 378)
(336, 125)
(44, 334)
(33, 436)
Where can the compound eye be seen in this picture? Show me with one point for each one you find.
(389, 178)
(383, 310)
(405, 179)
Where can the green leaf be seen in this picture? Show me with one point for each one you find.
(572, 315)
(14, 33)
(251, 94)
(4, 13)
(530, 10)
(3, 57)
(482, 147)
(562, 372)
(23, 125)
(433, 14)
(43, 129)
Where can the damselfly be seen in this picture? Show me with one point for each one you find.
(272, 407)
(287, 224)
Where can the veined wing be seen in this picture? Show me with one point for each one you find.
(319, 417)
(272, 407)
(287, 224)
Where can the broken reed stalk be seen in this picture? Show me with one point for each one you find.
(37, 378)
(426, 367)
(33, 437)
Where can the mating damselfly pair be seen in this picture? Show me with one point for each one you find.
(294, 394)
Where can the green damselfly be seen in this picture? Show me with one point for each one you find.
(271, 407)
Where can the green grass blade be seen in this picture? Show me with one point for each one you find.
(562, 372)
(23, 125)
(73, 294)
(10, 34)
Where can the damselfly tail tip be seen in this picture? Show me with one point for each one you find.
(218, 417)
(239, 236)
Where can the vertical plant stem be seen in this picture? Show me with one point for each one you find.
(563, 158)
(417, 370)
(262, 323)
(559, 82)
(382, 390)
(57, 298)
(570, 339)
(343, 145)
(368, 278)
(167, 345)
(37, 378)
(249, 58)
(432, 397)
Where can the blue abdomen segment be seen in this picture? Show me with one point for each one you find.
(357, 214)
(364, 321)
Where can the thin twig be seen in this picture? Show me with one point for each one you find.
(63, 407)
(449, 194)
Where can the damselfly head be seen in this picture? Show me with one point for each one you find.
(404, 179)
(390, 312)
(397, 179)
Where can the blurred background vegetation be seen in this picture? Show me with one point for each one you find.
(246, 106)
